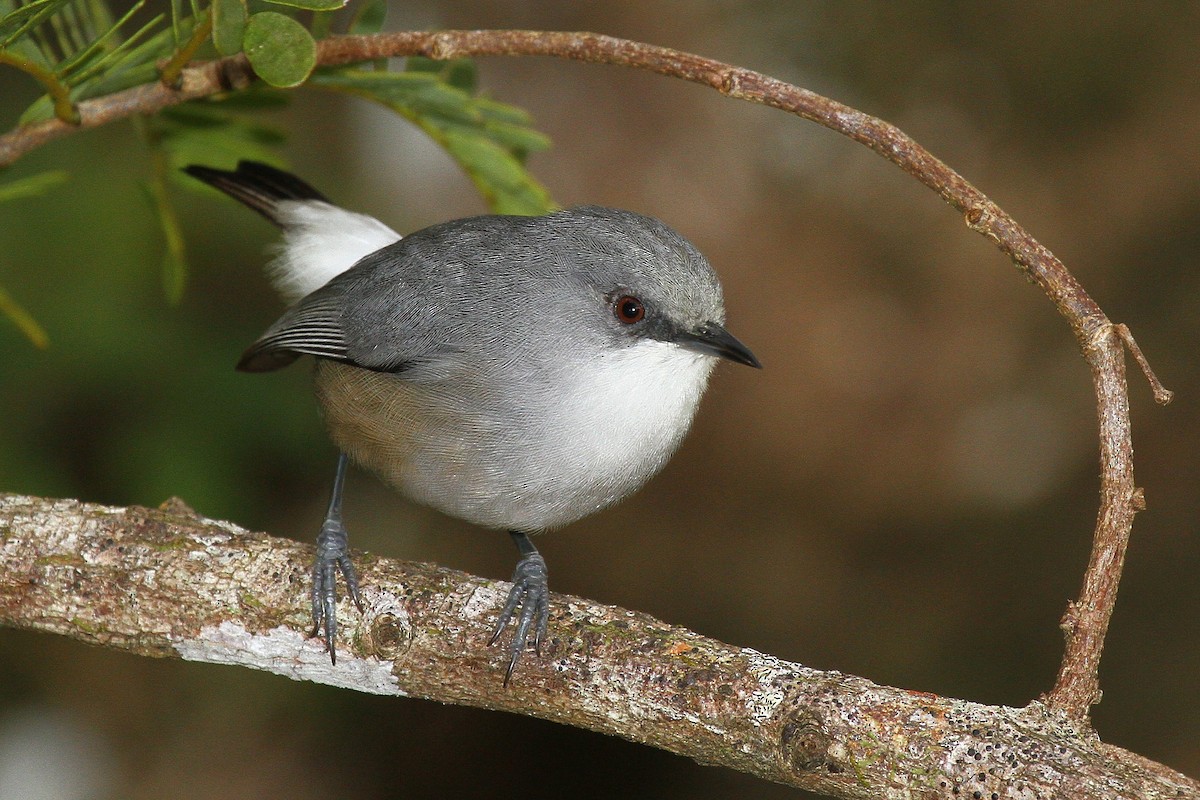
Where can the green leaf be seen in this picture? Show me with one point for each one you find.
(517, 138)
(280, 49)
(457, 72)
(499, 177)
(23, 320)
(229, 25)
(88, 54)
(312, 5)
(369, 17)
(207, 133)
(112, 71)
(32, 186)
(19, 22)
(502, 112)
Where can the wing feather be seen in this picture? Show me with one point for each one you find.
(311, 327)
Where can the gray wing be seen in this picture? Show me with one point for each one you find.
(414, 302)
(364, 317)
(312, 327)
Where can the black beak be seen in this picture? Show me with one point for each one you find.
(711, 339)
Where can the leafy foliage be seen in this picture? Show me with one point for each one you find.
(229, 25)
(31, 186)
(78, 49)
(221, 131)
(280, 49)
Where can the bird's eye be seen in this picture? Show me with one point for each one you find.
(629, 309)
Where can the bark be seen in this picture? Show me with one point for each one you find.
(167, 583)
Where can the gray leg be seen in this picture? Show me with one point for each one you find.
(531, 592)
(333, 554)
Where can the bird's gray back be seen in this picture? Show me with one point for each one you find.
(497, 285)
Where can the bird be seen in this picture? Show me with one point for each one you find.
(515, 372)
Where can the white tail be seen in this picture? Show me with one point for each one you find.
(321, 241)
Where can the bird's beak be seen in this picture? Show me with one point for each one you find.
(711, 339)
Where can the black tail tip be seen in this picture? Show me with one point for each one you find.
(203, 173)
(257, 178)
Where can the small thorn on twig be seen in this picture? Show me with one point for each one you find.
(1070, 619)
(1138, 500)
(1162, 395)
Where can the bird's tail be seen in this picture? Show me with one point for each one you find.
(259, 186)
(320, 240)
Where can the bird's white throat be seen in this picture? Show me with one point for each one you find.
(628, 412)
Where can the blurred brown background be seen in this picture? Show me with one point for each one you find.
(905, 492)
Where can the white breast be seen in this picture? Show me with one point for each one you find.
(614, 429)
(631, 409)
(534, 461)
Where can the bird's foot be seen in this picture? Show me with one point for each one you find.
(333, 555)
(530, 592)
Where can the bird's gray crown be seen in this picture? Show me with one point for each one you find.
(624, 250)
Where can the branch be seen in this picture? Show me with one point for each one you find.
(59, 92)
(168, 583)
(1086, 621)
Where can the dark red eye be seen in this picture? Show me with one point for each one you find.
(629, 309)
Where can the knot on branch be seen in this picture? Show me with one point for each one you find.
(441, 47)
(388, 637)
(730, 83)
(233, 74)
(388, 632)
(981, 219)
(803, 743)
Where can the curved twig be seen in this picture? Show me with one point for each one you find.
(1086, 622)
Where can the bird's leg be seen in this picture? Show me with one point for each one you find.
(333, 554)
(531, 592)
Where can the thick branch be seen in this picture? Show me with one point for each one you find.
(1086, 622)
(168, 583)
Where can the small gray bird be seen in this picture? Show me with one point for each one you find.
(515, 372)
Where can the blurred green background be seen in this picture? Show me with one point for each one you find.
(905, 492)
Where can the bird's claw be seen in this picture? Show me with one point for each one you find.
(333, 556)
(530, 592)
